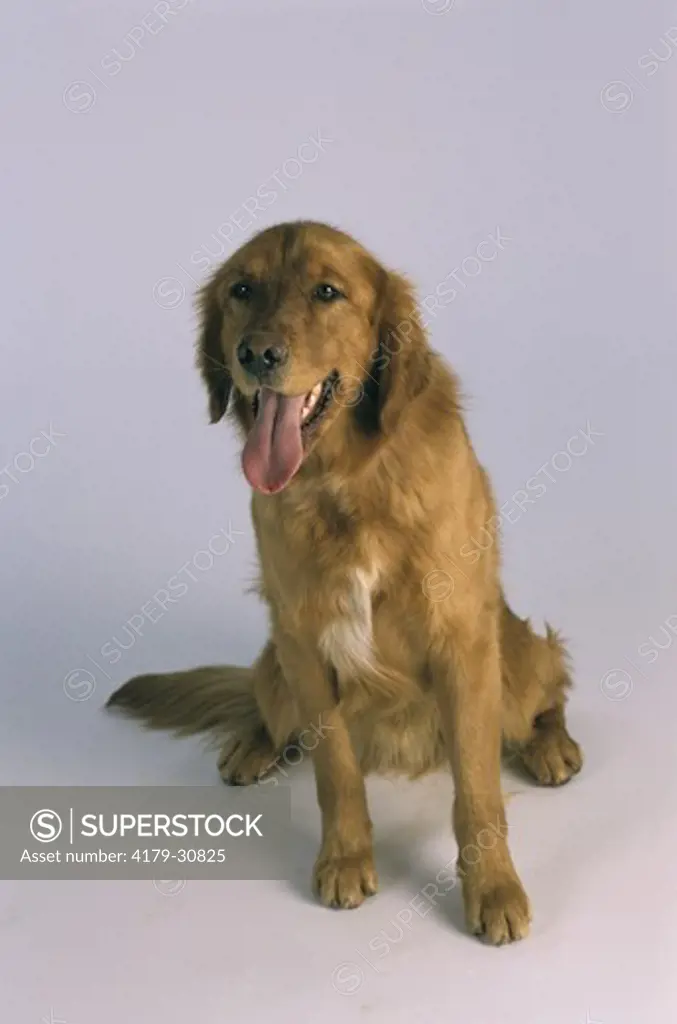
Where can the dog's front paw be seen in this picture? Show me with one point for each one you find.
(344, 880)
(497, 912)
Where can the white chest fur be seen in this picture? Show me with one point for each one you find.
(347, 642)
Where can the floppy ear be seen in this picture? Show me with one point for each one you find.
(402, 363)
(210, 358)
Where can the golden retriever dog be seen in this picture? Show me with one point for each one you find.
(366, 492)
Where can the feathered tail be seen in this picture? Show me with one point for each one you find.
(213, 699)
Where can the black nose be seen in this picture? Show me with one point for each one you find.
(259, 357)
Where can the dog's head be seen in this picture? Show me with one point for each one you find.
(303, 330)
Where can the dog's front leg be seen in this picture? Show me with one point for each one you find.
(344, 872)
(467, 680)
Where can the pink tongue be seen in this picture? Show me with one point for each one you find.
(274, 449)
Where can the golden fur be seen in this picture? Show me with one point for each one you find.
(382, 630)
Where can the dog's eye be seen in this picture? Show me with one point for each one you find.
(327, 293)
(241, 291)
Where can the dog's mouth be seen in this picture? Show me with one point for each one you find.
(283, 428)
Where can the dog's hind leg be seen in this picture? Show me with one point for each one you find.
(535, 685)
(247, 757)
(551, 757)
(254, 751)
(248, 708)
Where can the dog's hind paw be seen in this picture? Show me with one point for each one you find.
(246, 759)
(551, 757)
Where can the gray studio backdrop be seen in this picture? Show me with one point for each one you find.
(519, 153)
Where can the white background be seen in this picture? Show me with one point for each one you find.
(548, 121)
